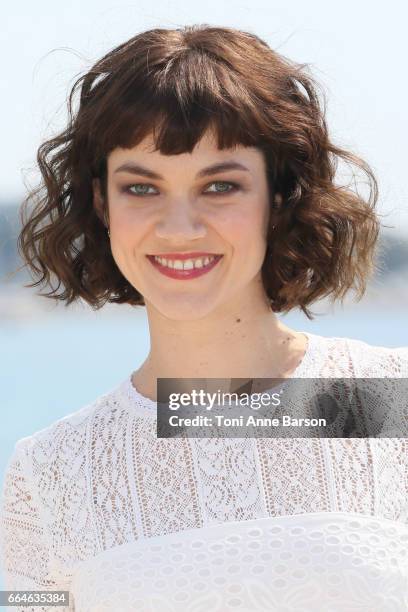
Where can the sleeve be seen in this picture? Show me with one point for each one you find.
(24, 549)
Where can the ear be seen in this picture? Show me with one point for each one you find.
(98, 202)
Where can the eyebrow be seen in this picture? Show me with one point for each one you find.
(133, 168)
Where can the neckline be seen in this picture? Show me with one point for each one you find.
(134, 396)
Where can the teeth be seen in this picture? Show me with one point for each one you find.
(187, 264)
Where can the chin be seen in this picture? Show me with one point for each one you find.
(189, 310)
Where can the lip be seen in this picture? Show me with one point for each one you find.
(184, 274)
(184, 256)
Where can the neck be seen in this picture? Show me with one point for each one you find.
(241, 343)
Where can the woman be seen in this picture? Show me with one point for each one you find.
(196, 178)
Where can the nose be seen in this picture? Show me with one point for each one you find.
(180, 223)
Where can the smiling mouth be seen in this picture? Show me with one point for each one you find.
(184, 269)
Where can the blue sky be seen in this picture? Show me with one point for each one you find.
(357, 50)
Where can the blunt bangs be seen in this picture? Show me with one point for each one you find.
(177, 104)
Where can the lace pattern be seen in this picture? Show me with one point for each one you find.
(99, 478)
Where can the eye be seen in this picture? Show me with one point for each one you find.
(143, 189)
(222, 187)
(139, 189)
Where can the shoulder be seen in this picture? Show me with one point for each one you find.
(65, 440)
(345, 356)
(47, 485)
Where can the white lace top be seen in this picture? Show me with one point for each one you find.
(96, 504)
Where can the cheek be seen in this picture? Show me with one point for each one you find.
(126, 225)
(125, 241)
(246, 225)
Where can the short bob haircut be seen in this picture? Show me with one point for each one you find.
(175, 84)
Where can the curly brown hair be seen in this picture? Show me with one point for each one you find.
(176, 84)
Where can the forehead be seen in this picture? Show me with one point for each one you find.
(205, 152)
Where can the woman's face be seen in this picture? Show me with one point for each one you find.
(208, 201)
